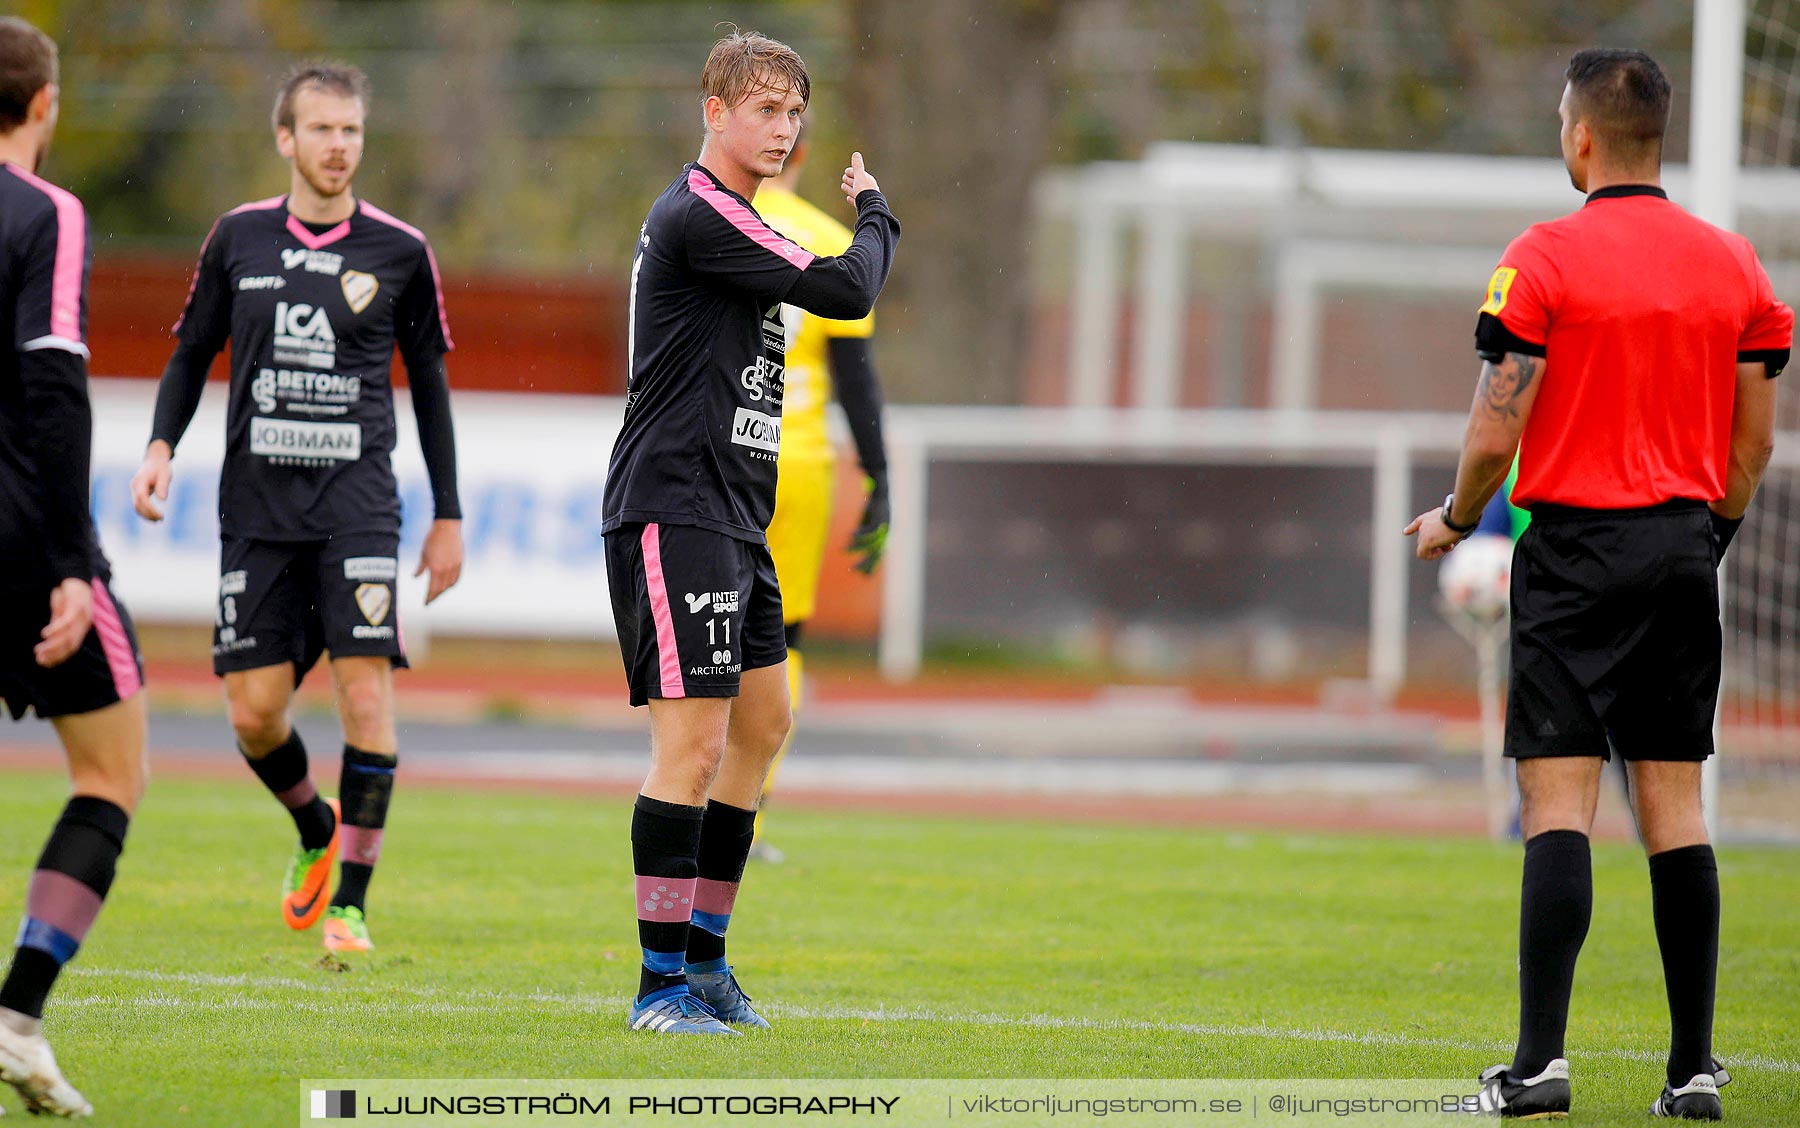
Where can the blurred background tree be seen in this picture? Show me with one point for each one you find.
(531, 136)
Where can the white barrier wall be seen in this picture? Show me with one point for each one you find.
(531, 470)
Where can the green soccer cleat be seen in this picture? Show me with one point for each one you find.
(346, 930)
(306, 889)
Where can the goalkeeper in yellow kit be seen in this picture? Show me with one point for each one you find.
(807, 469)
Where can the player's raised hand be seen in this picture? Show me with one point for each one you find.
(152, 479)
(442, 556)
(71, 617)
(857, 179)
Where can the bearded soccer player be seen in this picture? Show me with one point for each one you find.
(808, 466)
(689, 494)
(1629, 353)
(314, 290)
(66, 646)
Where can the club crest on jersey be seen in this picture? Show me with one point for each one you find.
(1499, 286)
(374, 601)
(359, 289)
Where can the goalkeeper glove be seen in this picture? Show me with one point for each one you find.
(870, 539)
(1723, 529)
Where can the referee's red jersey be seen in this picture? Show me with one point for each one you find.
(1642, 312)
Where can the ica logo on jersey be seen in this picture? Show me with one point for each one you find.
(303, 335)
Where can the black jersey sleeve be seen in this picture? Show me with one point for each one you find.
(59, 439)
(859, 393)
(421, 328)
(206, 319)
(729, 245)
(437, 437)
(845, 286)
(50, 320)
(204, 327)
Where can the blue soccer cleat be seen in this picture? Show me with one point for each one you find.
(719, 990)
(673, 1010)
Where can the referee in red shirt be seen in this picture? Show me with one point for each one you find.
(1633, 349)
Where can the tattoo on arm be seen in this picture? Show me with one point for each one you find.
(1504, 382)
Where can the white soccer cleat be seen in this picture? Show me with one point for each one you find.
(27, 1064)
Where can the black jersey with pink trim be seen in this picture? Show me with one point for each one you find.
(313, 315)
(46, 423)
(707, 346)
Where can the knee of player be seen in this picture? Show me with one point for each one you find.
(365, 705)
(260, 723)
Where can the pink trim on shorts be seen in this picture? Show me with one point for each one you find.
(747, 221)
(669, 900)
(115, 643)
(667, 656)
(715, 897)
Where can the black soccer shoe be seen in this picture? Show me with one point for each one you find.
(1696, 1100)
(1544, 1097)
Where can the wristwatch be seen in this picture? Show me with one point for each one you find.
(1461, 530)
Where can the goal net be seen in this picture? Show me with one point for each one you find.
(1760, 716)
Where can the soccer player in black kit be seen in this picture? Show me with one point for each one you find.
(314, 290)
(689, 493)
(66, 647)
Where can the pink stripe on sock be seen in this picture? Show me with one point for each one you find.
(299, 795)
(359, 844)
(121, 656)
(668, 657)
(715, 897)
(666, 899)
(62, 902)
(747, 221)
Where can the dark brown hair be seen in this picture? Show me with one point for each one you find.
(339, 78)
(746, 63)
(27, 65)
(1624, 98)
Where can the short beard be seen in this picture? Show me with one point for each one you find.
(306, 175)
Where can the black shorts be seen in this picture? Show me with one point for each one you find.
(106, 670)
(289, 601)
(694, 608)
(1615, 634)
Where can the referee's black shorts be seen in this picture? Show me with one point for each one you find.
(1615, 634)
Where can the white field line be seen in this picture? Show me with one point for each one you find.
(435, 1000)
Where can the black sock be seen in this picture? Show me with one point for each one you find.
(1555, 905)
(725, 836)
(1684, 895)
(68, 888)
(284, 772)
(665, 840)
(365, 788)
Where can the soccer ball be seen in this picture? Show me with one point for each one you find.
(1476, 577)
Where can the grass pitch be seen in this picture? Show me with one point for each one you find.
(884, 947)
